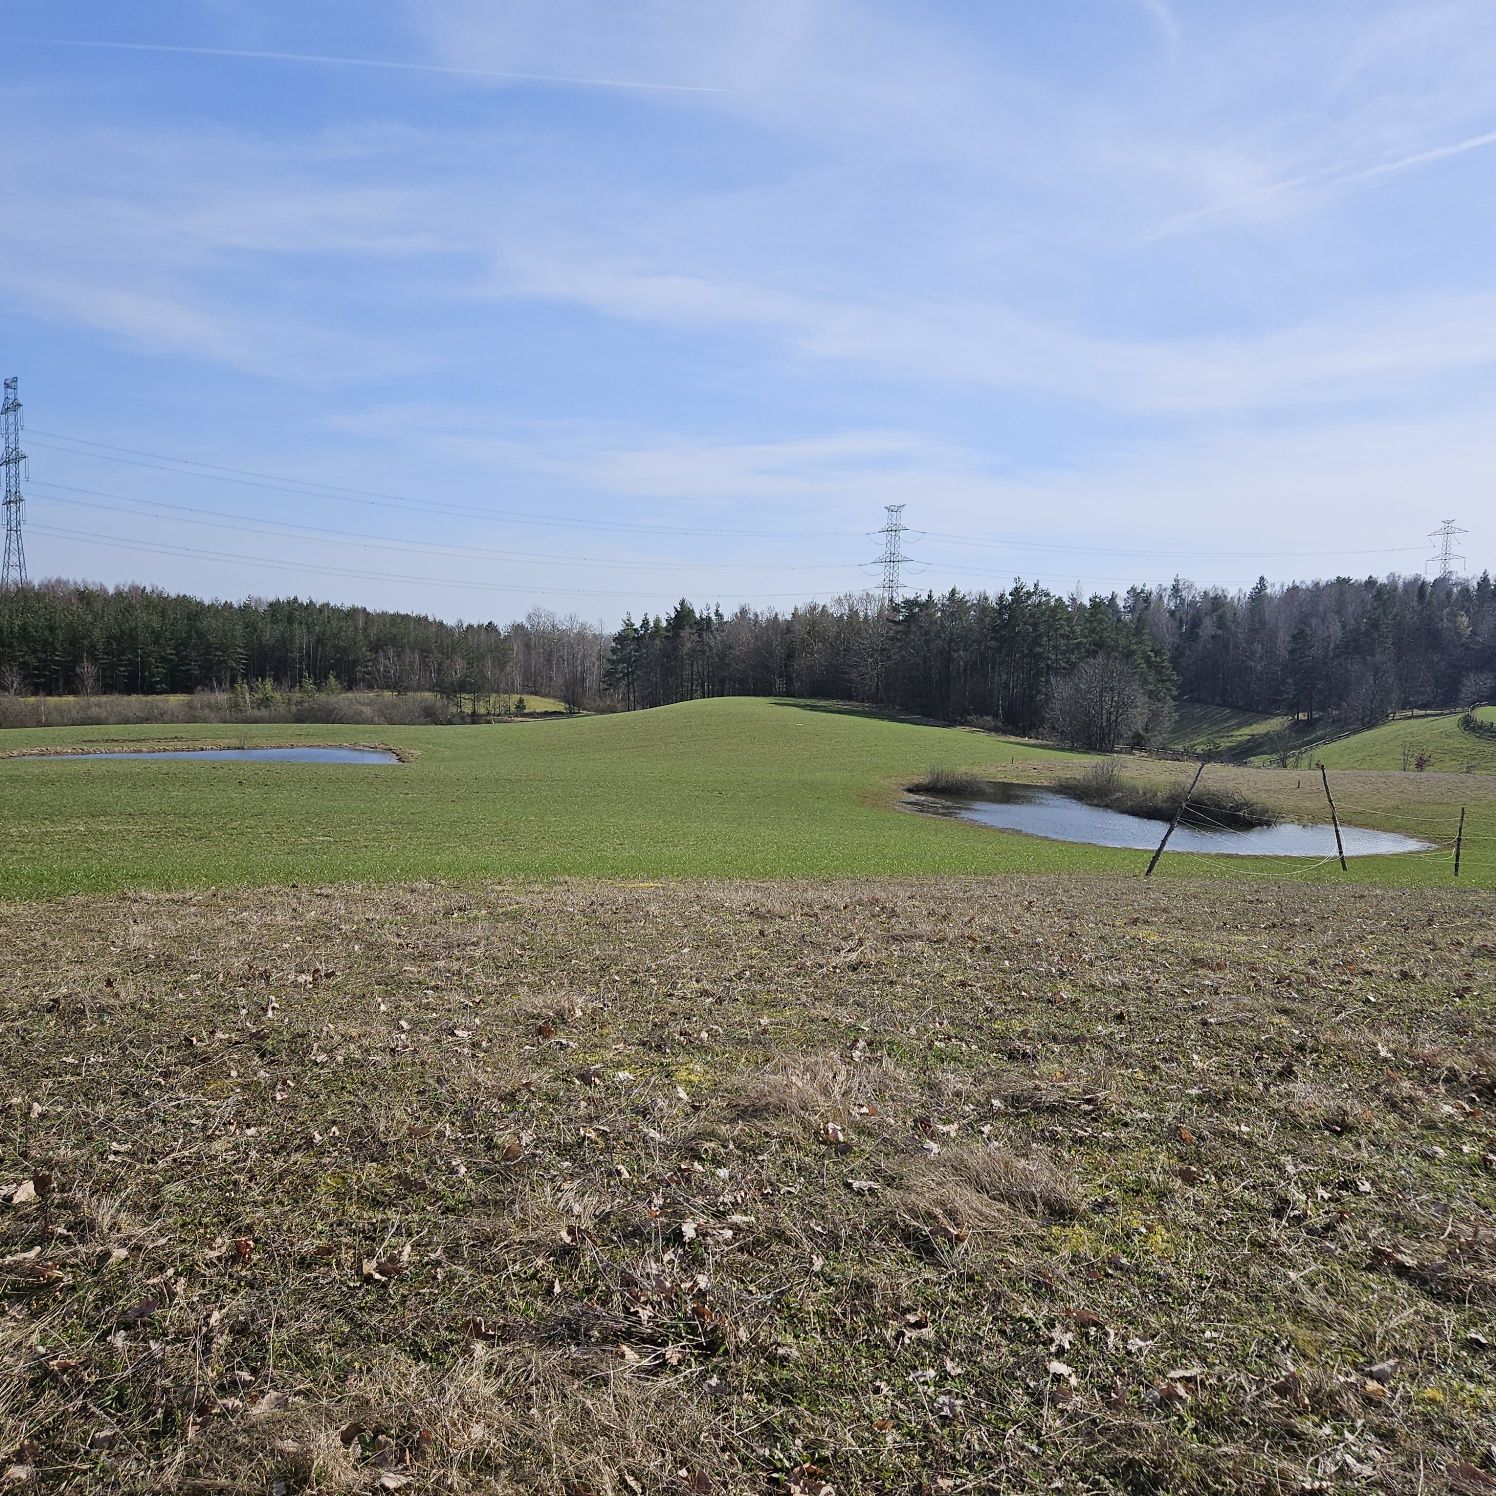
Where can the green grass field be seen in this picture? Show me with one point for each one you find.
(725, 788)
(1448, 748)
(540, 704)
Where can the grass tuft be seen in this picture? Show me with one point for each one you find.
(1209, 806)
(941, 781)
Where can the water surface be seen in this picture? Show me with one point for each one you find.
(249, 755)
(1058, 817)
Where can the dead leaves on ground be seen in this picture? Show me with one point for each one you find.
(386, 1269)
(870, 1185)
(27, 1191)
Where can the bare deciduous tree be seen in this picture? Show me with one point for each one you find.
(1099, 705)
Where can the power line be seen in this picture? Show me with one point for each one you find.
(1087, 550)
(341, 492)
(119, 543)
(893, 532)
(248, 478)
(254, 526)
(13, 459)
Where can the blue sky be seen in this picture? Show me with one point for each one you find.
(471, 306)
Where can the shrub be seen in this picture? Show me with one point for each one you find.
(949, 782)
(1209, 807)
(265, 704)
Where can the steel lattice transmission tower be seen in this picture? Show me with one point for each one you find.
(14, 463)
(893, 556)
(1448, 558)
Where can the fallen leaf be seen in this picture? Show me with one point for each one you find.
(384, 1269)
(1087, 1319)
(1469, 1480)
(1290, 1387)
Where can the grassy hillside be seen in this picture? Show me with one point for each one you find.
(1220, 731)
(535, 704)
(1449, 749)
(719, 788)
(750, 1190)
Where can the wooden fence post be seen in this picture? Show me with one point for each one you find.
(1172, 824)
(1334, 818)
(1459, 840)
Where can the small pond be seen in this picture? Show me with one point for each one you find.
(248, 755)
(1058, 817)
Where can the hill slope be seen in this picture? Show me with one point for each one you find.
(1447, 747)
(1220, 731)
(723, 788)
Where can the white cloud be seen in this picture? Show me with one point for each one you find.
(1363, 352)
(906, 254)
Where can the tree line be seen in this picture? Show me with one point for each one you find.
(64, 638)
(1026, 658)
(1023, 658)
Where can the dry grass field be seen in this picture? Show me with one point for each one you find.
(1037, 1183)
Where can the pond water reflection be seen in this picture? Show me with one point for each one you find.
(247, 755)
(1058, 817)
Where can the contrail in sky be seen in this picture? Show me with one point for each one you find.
(367, 62)
(1326, 179)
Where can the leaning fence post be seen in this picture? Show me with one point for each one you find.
(1172, 824)
(1459, 840)
(1334, 818)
